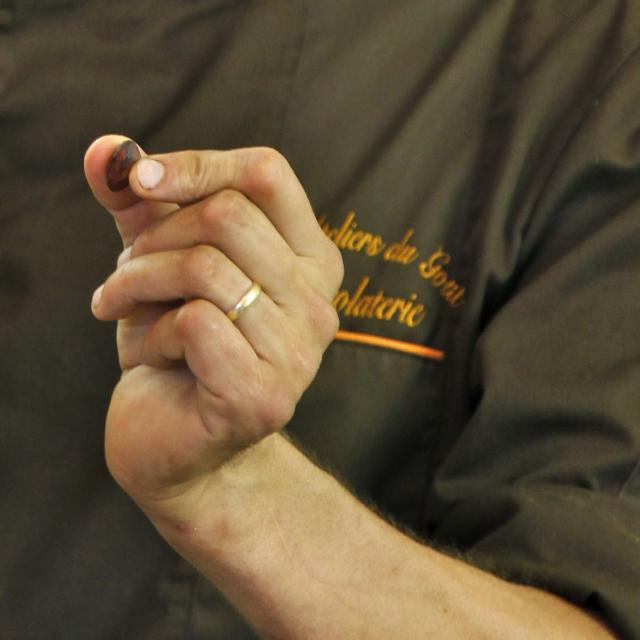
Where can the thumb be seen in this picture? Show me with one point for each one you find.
(131, 213)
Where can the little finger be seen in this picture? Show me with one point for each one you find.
(235, 384)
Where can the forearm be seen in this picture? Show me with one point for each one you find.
(301, 558)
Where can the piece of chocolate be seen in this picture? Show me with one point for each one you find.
(124, 156)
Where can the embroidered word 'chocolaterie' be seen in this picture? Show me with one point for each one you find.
(124, 156)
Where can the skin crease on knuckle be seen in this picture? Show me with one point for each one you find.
(195, 176)
(222, 213)
(265, 170)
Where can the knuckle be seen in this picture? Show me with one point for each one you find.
(324, 320)
(184, 320)
(189, 319)
(320, 316)
(230, 200)
(209, 217)
(264, 405)
(266, 168)
(199, 265)
(334, 267)
(221, 211)
(331, 323)
(275, 410)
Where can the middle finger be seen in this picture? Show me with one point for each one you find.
(237, 228)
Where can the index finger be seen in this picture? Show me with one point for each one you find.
(263, 175)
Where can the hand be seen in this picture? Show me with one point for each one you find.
(197, 388)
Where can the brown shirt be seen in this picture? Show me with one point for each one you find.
(478, 165)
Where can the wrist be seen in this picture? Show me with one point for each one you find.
(217, 513)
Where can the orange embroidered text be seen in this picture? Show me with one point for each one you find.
(432, 269)
(349, 236)
(362, 304)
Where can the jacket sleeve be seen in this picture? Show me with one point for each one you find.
(542, 483)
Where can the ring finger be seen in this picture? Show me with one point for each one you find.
(202, 272)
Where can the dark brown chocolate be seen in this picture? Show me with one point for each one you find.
(124, 156)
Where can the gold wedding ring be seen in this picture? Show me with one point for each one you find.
(245, 302)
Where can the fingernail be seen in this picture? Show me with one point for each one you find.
(125, 256)
(124, 156)
(150, 172)
(97, 295)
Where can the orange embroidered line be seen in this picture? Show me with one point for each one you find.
(389, 343)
